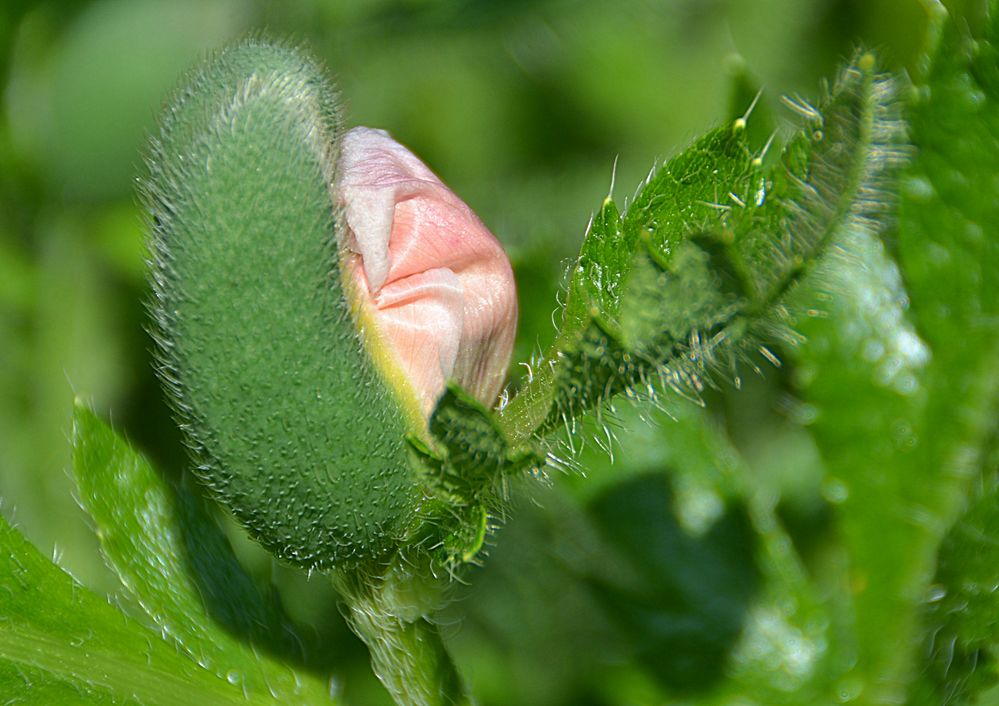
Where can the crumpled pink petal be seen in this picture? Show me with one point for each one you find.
(437, 281)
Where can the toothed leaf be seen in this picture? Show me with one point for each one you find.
(685, 195)
(716, 243)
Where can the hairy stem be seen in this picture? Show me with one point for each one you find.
(408, 654)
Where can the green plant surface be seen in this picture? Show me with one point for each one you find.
(699, 265)
(765, 428)
(254, 328)
(173, 560)
(902, 371)
(961, 618)
(74, 647)
(713, 606)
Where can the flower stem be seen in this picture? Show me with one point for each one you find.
(408, 654)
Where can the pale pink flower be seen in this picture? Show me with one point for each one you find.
(431, 280)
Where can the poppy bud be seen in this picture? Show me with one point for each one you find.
(299, 351)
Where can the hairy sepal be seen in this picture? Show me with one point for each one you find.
(291, 426)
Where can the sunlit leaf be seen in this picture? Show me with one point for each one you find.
(173, 559)
(60, 641)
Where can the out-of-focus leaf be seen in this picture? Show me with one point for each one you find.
(70, 336)
(949, 212)
(172, 557)
(60, 643)
(683, 599)
(901, 364)
(962, 621)
(779, 653)
(574, 593)
(949, 250)
(862, 369)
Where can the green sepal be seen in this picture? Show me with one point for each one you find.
(293, 428)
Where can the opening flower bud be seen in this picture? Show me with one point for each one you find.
(300, 338)
(432, 283)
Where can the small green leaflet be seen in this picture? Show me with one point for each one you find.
(467, 470)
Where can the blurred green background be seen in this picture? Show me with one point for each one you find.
(524, 108)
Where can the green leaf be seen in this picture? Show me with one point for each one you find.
(902, 361)
(600, 269)
(948, 212)
(60, 643)
(699, 265)
(861, 369)
(962, 621)
(778, 656)
(173, 559)
(682, 597)
(573, 644)
(679, 199)
(947, 245)
(467, 470)
(476, 455)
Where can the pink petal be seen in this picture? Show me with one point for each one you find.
(438, 283)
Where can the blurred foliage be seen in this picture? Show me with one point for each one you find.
(533, 111)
